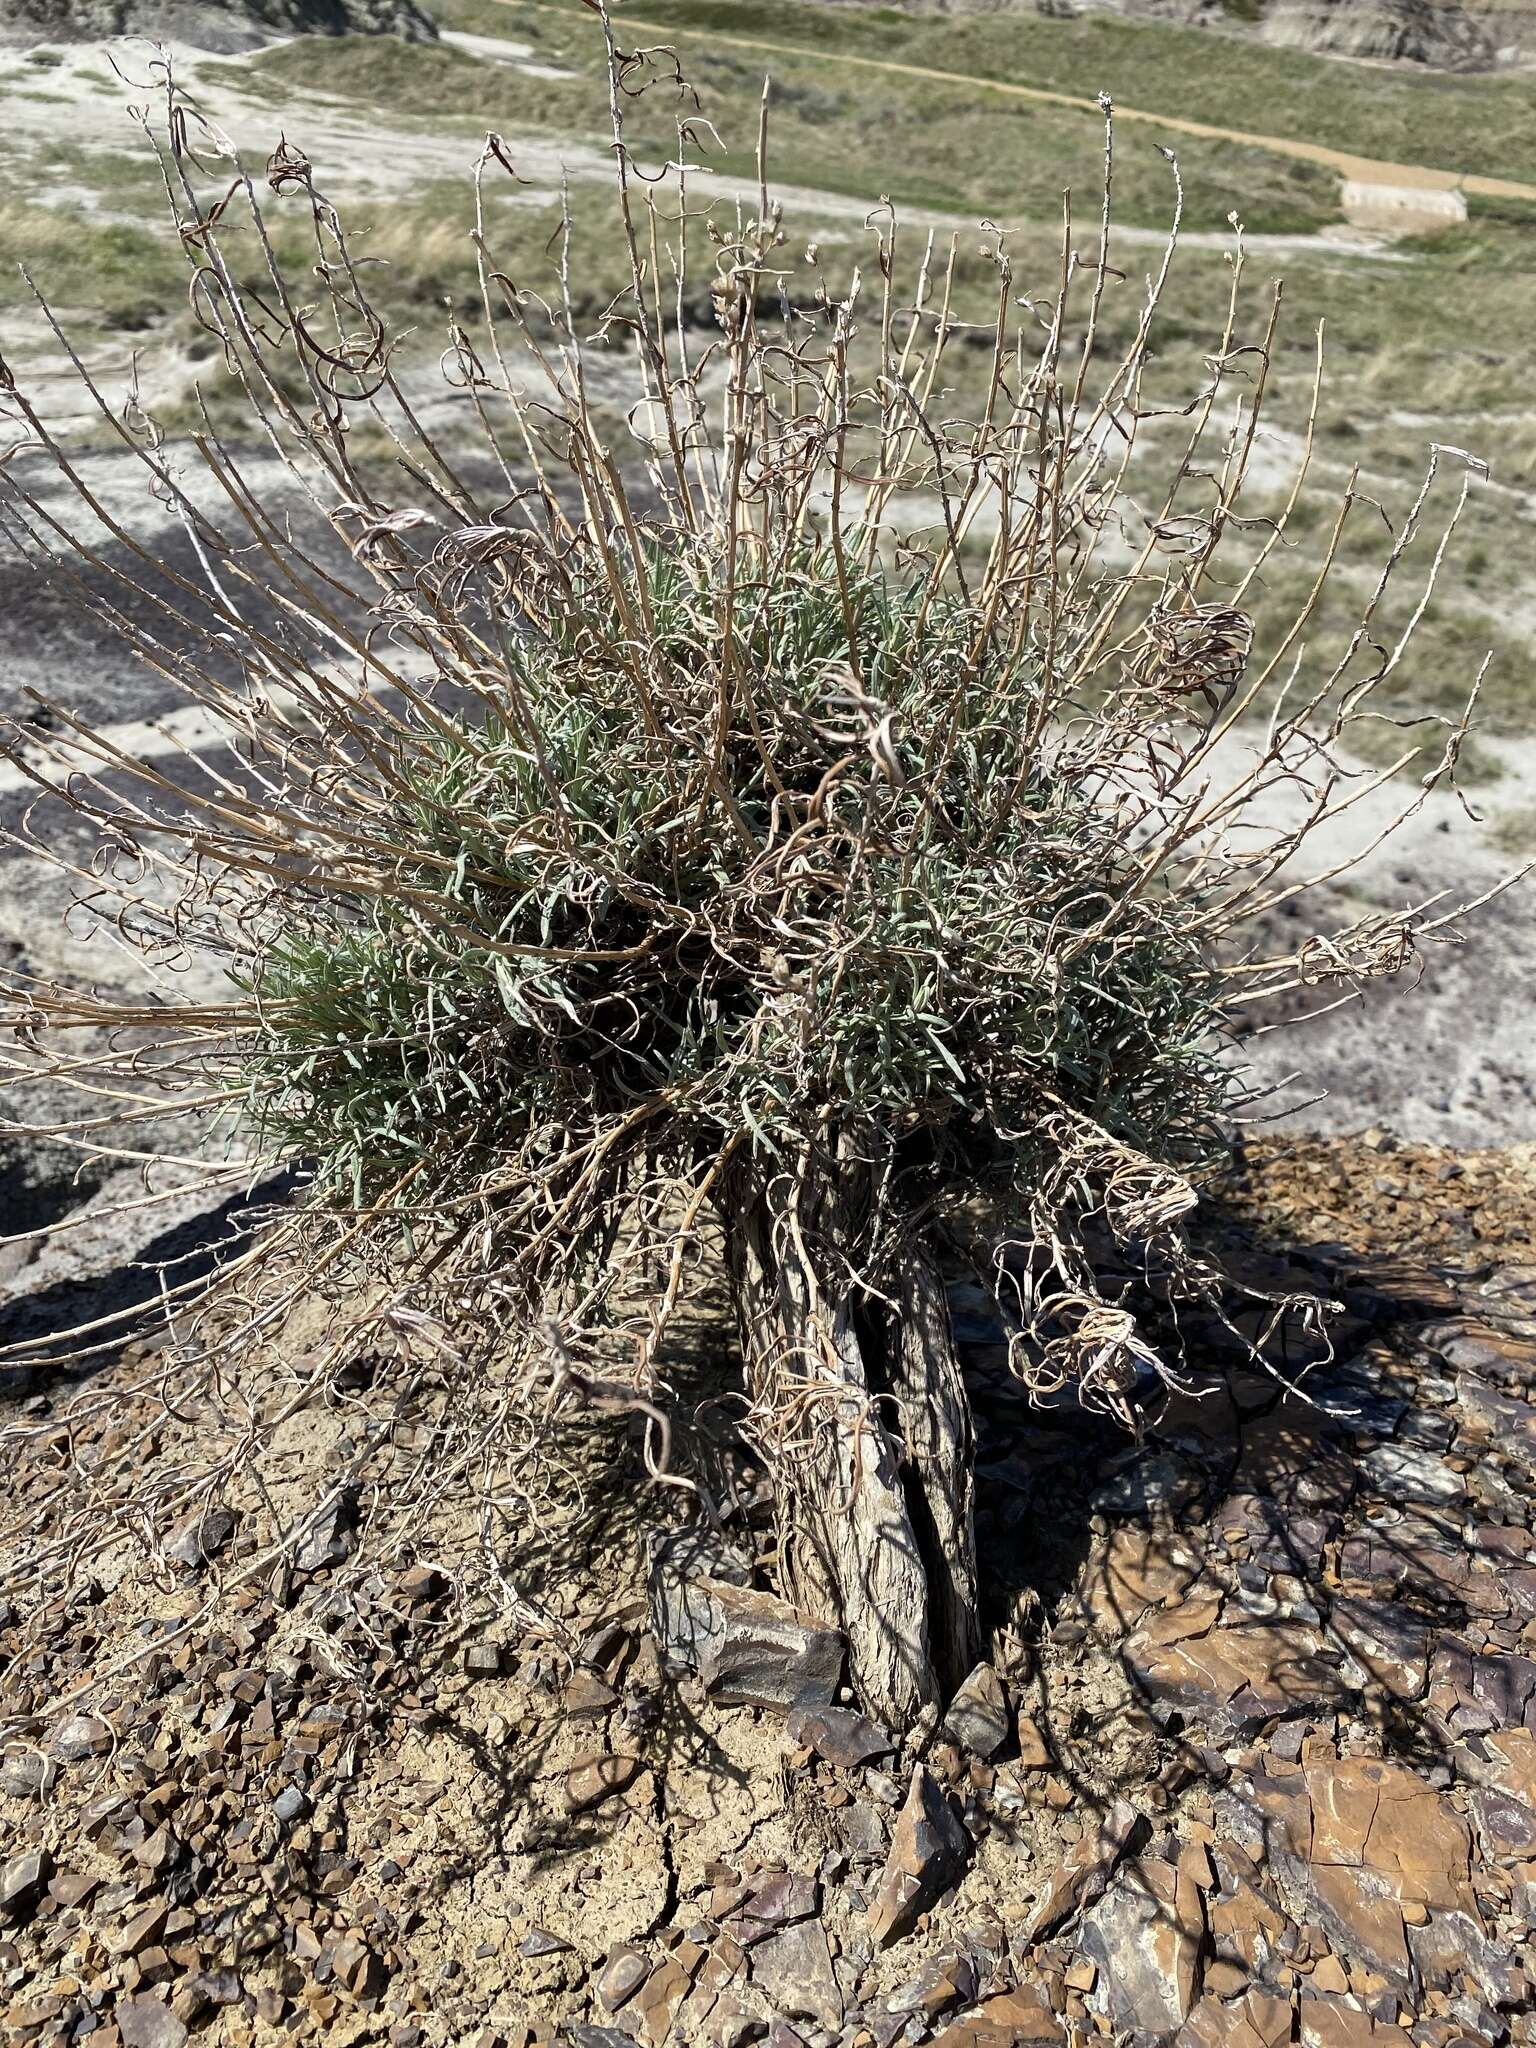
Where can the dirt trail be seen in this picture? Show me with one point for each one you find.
(1360, 169)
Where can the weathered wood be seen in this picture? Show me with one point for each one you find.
(848, 1550)
(924, 1374)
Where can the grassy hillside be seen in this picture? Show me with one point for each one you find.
(1484, 124)
(852, 133)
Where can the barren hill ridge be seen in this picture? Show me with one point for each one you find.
(225, 25)
(1443, 35)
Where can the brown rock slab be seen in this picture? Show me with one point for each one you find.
(1362, 1837)
(147, 2022)
(1145, 1935)
(1009, 2019)
(656, 2004)
(793, 1970)
(144, 1929)
(1340, 2023)
(1082, 1874)
(1390, 1645)
(1257, 2020)
(586, 1696)
(1134, 1569)
(1233, 1679)
(928, 1855)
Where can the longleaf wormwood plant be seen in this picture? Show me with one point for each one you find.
(747, 791)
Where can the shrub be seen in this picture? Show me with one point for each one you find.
(803, 797)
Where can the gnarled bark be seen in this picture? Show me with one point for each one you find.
(924, 1374)
(863, 1419)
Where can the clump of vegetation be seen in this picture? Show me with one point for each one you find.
(743, 797)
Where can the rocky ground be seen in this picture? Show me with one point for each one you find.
(1253, 1760)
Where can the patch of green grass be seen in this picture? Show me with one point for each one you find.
(126, 277)
(130, 177)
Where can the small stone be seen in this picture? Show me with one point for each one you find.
(158, 1852)
(1034, 1751)
(144, 1930)
(978, 1717)
(81, 1736)
(290, 1804)
(946, 1981)
(149, 2023)
(70, 1888)
(538, 1941)
(198, 1541)
(422, 1584)
(482, 1660)
(27, 1774)
(621, 1977)
(587, 1697)
(774, 1902)
(331, 1538)
(22, 1881)
(836, 1733)
(928, 1855)
(748, 1647)
(357, 1968)
(598, 1777)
